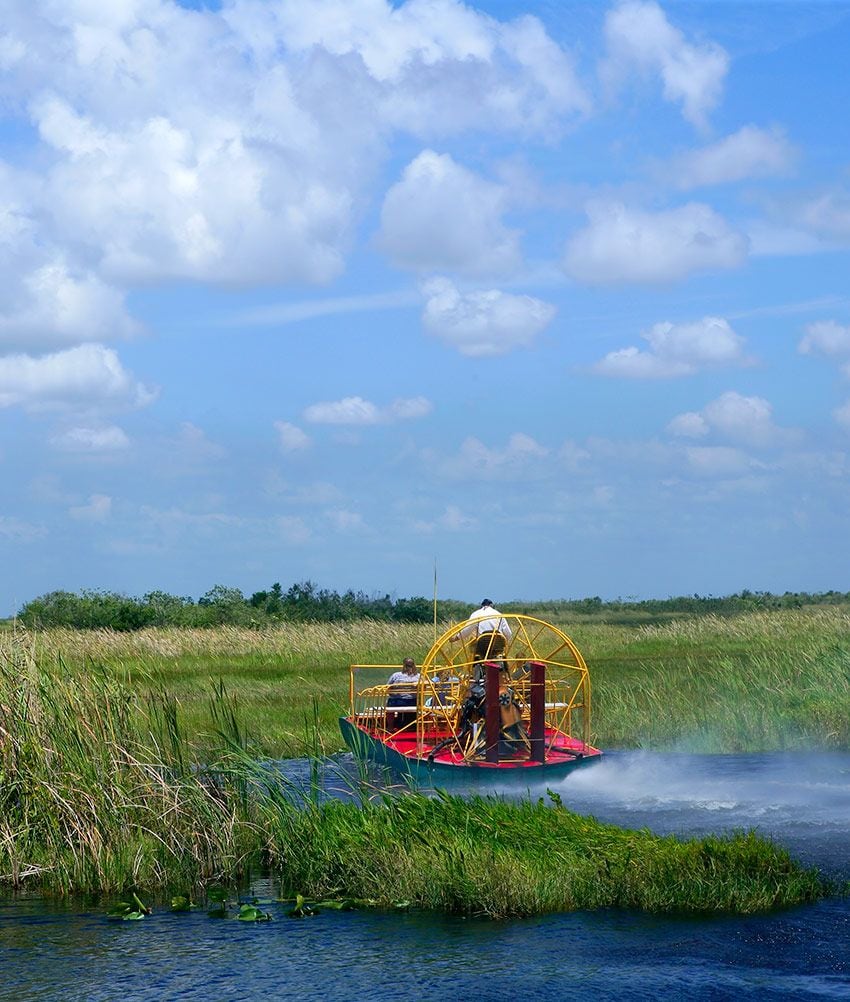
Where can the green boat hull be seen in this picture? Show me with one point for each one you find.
(421, 772)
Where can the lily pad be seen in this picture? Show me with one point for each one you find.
(250, 913)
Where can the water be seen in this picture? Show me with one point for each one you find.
(55, 952)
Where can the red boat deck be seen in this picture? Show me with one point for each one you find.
(562, 749)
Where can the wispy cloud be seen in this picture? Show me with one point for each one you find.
(110, 438)
(521, 457)
(749, 152)
(98, 509)
(20, 531)
(789, 309)
(281, 314)
(641, 40)
(291, 437)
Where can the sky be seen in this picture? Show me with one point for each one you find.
(551, 297)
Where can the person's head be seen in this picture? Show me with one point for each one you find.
(408, 666)
(486, 602)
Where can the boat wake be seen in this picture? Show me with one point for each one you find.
(801, 800)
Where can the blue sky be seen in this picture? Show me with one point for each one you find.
(557, 295)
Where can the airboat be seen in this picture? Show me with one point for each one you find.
(511, 704)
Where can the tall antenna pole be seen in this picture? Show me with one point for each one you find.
(435, 600)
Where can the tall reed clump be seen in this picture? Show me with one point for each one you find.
(98, 791)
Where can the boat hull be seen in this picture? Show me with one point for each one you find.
(422, 772)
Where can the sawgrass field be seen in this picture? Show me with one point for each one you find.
(760, 681)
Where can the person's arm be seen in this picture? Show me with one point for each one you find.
(471, 630)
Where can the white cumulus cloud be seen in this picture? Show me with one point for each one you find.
(155, 160)
(443, 217)
(51, 306)
(640, 38)
(348, 411)
(677, 350)
(483, 323)
(89, 377)
(826, 337)
(432, 65)
(688, 425)
(46, 301)
(193, 200)
(408, 409)
(357, 411)
(625, 245)
(291, 437)
(745, 420)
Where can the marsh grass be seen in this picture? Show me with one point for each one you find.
(103, 789)
(761, 682)
(756, 682)
(276, 674)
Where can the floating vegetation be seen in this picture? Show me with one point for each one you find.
(129, 911)
(251, 913)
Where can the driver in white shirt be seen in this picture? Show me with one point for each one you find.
(490, 628)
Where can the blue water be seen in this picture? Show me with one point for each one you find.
(55, 952)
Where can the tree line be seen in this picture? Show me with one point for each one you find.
(223, 605)
(307, 602)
